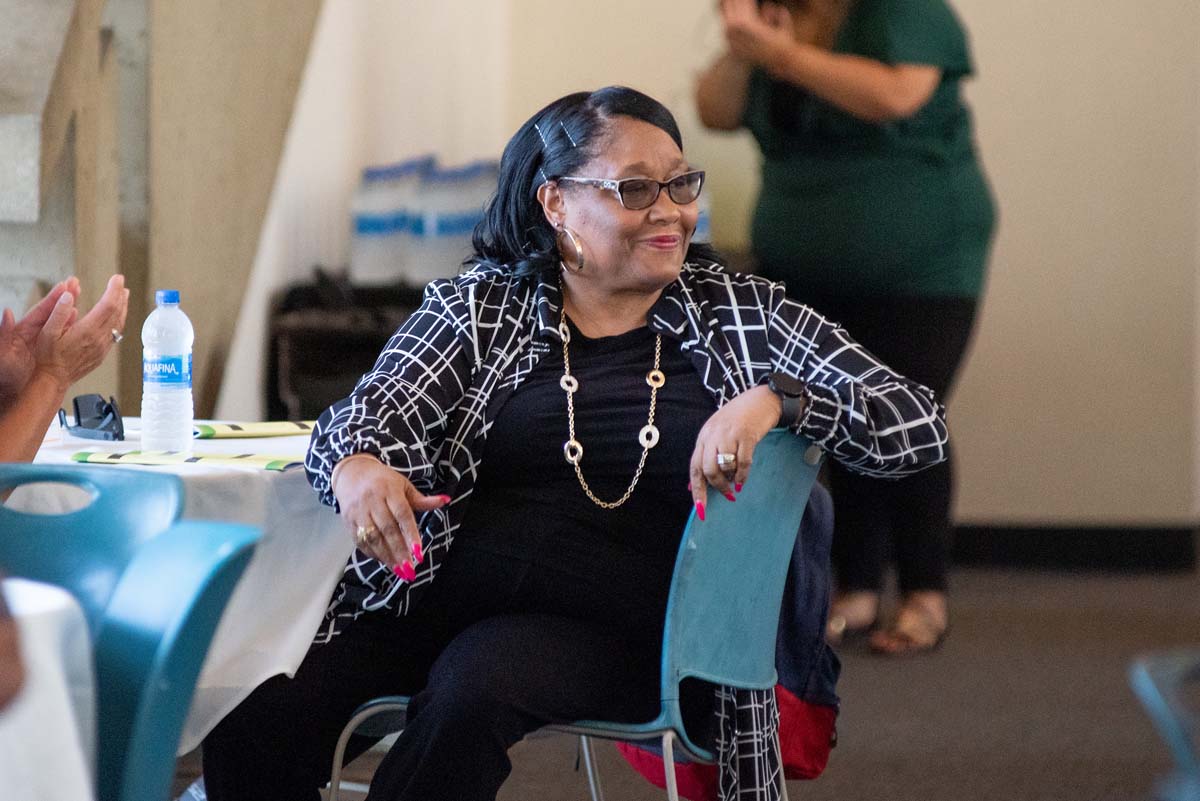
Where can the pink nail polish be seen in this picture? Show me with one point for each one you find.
(729, 496)
(406, 571)
(700, 511)
(417, 553)
(737, 487)
(445, 499)
(398, 570)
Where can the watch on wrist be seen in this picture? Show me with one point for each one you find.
(792, 393)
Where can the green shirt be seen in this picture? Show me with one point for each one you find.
(850, 207)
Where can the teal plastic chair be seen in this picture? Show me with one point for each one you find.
(1168, 685)
(152, 588)
(722, 610)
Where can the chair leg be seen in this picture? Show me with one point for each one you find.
(335, 776)
(669, 765)
(589, 763)
(783, 794)
(339, 754)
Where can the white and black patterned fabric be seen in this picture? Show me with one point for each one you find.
(426, 407)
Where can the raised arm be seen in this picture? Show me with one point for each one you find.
(865, 87)
(721, 92)
(63, 350)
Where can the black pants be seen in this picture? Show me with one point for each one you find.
(494, 650)
(922, 338)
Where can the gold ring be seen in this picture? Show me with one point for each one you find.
(116, 335)
(726, 460)
(366, 535)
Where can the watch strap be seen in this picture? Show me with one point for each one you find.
(794, 396)
(793, 409)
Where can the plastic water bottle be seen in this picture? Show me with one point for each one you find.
(167, 376)
(382, 207)
(454, 199)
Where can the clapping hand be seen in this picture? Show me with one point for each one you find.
(754, 35)
(67, 346)
(18, 341)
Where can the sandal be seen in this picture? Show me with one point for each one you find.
(917, 629)
(852, 616)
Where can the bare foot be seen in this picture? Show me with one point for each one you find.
(851, 613)
(920, 626)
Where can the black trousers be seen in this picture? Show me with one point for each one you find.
(925, 339)
(494, 650)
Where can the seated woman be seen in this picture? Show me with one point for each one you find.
(519, 465)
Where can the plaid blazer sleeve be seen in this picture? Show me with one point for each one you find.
(869, 418)
(400, 409)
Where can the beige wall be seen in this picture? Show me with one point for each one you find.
(1079, 401)
(436, 79)
(307, 220)
(223, 79)
(369, 95)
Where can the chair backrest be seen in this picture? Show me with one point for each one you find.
(154, 589)
(153, 640)
(85, 551)
(1168, 685)
(723, 607)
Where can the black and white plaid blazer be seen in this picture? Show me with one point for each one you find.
(426, 407)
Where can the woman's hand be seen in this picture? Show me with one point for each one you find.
(735, 429)
(18, 341)
(759, 37)
(67, 349)
(381, 502)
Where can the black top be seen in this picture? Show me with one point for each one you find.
(550, 521)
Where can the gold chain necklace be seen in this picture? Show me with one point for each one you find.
(648, 436)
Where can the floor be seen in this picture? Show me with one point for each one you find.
(1028, 700)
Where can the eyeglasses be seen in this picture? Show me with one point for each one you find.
(636, 194)
(95, 418)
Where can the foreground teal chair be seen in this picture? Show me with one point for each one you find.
(1168, 685)
(152, 588)
(722, 611)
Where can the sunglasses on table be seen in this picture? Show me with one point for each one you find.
(636, 194)
(95, 418)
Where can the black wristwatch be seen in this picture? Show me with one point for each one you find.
(793, 393)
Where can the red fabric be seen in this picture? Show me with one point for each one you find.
(695, 781)
(806, 734)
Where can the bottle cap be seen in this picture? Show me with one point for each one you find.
(166, 296)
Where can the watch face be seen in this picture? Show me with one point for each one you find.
(784, 384)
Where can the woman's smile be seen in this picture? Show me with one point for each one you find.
(665, 242)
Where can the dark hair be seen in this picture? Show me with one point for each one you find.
(514, 233)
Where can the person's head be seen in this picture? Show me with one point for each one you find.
(613, 134)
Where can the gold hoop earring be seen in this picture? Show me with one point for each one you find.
(576, 245)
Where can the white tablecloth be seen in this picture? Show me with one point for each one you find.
(283, 594)
(47, 733)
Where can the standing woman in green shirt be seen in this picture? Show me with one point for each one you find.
(875, 211)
